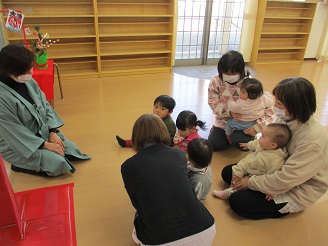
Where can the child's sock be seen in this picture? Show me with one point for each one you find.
(222, 194)
(121, 141)
(128, 143)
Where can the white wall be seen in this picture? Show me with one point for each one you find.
(248, 29)
(317, 30)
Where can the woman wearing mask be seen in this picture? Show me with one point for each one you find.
(29, 137)
(304, 177)
(223, 87)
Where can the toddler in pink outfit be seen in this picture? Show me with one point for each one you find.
(251, 105)
(187, 123)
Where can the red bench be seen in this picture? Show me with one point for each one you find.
(36, 217)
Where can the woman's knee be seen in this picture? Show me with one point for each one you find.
(53, 164)
(238, 137)
(226, 173)
(218, 139)
(217, 146)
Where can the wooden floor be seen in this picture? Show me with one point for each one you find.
(95, 110)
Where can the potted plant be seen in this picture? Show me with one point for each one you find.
(40, 46)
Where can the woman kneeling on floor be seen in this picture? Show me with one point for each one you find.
(29, 137)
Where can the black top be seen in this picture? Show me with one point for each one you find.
(20, 88)
(156, 181)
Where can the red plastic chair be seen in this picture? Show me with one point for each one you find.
(36, 217)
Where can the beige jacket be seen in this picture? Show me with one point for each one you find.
(259, 161)
(304, 177)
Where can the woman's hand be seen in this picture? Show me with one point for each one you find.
(236, 116)
(250, 131)
(235, 179)
(54, 147)
(268, 197)
(54, 138)
(241, 184)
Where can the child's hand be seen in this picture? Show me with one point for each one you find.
(236, 116)
(244, 146)
(268, 197)
(177, 139)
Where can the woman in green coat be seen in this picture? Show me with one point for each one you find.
(29, 137)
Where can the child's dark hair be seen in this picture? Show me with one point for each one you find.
(187, 119)
(166, 102)
(253, 87)
(282, 134)
(200, 152)
(232, 62)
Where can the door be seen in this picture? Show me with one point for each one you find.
(207, 29)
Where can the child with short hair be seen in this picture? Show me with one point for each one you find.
(268, 155)
(200, 153)
(163, 107)
(251, 105)
(187, 123)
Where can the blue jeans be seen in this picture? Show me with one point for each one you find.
(234, 125)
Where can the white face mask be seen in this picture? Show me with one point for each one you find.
(231, 79)
(22, 78)
(281, 114)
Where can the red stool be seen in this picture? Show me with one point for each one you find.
(36, 217)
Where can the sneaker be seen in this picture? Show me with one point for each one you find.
(222, 194)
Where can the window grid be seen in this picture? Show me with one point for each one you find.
(225, 27)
